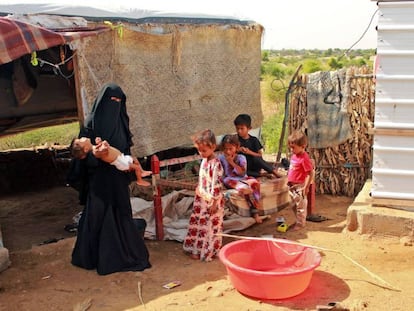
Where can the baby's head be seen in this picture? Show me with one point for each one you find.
(80, 147)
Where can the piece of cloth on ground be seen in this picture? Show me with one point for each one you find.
(176, 207)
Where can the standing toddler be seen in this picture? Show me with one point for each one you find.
(300, 175)
(203, 240)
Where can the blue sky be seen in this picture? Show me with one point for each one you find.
(289, 24)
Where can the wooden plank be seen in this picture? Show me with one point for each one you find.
(182, 184)
(186, 159)
(173, 161)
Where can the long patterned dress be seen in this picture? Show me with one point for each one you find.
(202, 238)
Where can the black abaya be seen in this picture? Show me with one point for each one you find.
(108, 239)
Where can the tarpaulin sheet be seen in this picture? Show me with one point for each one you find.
(18, 38)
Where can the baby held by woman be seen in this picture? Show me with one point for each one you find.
(80, 147)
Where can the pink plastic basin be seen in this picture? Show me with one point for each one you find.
(269, 269)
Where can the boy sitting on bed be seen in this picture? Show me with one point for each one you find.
(80, 147)
(251, 148)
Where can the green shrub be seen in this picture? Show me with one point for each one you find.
(312, 65)
(265, 56)
(271, 131)
(334, 63)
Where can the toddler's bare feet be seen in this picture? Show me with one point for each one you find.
(146, 173)
(143, 183)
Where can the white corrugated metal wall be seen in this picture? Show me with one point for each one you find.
(393, 150)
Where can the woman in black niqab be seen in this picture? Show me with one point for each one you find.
(107, 239)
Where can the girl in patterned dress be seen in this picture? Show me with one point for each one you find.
(203, 240)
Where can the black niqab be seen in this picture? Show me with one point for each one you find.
(109, 119)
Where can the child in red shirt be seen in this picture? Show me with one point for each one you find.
(300, 175)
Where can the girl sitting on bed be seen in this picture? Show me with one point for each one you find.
(235, 167)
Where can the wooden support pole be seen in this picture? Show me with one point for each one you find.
(159, 227)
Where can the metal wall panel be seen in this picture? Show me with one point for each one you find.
(393, 167)
(393, 150)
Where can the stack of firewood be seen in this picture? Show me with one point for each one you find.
(341, 169)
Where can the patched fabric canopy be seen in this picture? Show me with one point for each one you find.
(18, 38)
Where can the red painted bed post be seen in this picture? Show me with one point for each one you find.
(155, 168)
(311, 192)
(311, 199)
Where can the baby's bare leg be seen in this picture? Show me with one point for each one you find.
(143, 173)
(138, 173)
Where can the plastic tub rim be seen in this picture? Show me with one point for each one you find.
(233, 266)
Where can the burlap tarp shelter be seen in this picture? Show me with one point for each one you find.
(187, 78)
(180, 75)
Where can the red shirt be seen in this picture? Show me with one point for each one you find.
(300, 167)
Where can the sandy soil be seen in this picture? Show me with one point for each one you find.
(41, 277)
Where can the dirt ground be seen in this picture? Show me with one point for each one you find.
(41, 277)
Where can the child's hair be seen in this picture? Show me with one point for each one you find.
(232, 139)
(298, 138)
(243, 119)
(76, 150)
(204, 137)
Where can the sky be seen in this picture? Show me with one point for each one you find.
(289, 24)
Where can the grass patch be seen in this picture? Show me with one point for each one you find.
(53, 135)
(271, 131)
